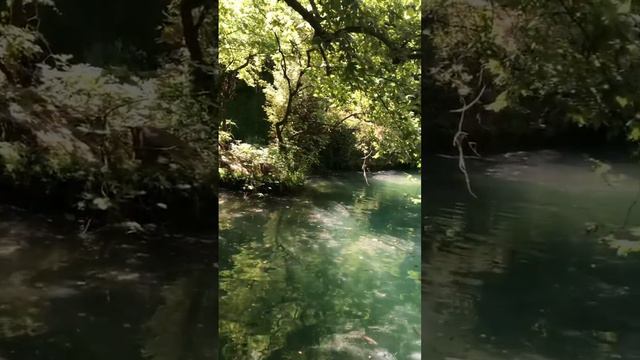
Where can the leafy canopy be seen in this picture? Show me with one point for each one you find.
(331, 63)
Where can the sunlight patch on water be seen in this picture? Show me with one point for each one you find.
(571, 172)
(319, 276)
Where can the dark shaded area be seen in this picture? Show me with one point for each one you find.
(514, 274)
(246, 111)
(505, 133)
(137, 279)
(103, 294)
(488, 61)
(107, 32)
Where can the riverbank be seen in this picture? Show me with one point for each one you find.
(267, 170)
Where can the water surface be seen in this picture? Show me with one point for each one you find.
(332, 273)
(104, 295)
(530, 269)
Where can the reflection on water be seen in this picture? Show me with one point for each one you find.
(525, 271)
(330, 274)
(102, 296)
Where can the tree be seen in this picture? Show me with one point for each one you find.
(547, 61)
(329, 65)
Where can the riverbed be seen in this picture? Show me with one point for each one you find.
(542, 265)
(331, 273)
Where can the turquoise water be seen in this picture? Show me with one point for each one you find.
(532, 269)
(332, 273)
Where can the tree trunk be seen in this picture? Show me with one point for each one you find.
(204, 76)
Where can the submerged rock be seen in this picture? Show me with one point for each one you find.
(591, 227)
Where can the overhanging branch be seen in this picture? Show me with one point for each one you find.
(400, 53)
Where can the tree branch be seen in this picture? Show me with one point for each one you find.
(325, 59)
(283, 62)
(467, 107)
(245, 64)
(293, 91)
(364, 166)
(346, 118)
(400, 53)
(307, 16)
(458, 138)
(367, 31)
(315, 9)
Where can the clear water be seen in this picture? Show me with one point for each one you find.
(103, 295)
(332, 273)
(520, 272)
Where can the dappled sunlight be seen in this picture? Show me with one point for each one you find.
(311, 277)
(568, 172)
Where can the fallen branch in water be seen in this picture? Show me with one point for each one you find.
(364, 166)
(460, 135)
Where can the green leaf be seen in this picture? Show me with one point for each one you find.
(635, 134)
(624, 7)
(500, 103)
(622, 101)
(102, 203)
(578, 118)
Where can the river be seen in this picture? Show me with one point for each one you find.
(331, 273)
(543, 265)
(65, 294)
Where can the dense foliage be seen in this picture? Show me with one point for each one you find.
(542, 64)
(106, 138)
(326, 68)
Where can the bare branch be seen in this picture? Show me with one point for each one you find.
(364, 166)
(461, 135)
(346, 118)
(245, 64)
(293, 91)
(326, 61)
(467, 107)
(457, 142)
(283, 62)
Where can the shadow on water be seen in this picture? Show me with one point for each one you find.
(105, 296)
(523, 271)
(330, 274)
